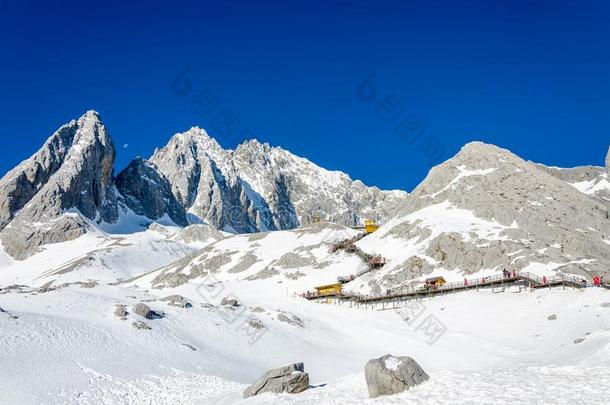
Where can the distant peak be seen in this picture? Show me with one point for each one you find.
(478, 147)
(608, 161)
(197, 131)
(91, 115)
(254, 144)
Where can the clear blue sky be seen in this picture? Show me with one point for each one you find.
(531, 76)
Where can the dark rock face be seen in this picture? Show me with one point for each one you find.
(290, 379)
(49, 197)
(147, 192)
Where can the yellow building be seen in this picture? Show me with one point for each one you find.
(370, 226)
(331, 289)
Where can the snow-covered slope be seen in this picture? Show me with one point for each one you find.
(67, 346)
(295, 260)
(99, 257)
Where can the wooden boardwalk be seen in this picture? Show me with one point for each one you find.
(523, 279)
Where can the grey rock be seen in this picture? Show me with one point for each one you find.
(229, 301)
(390, 375)
(255, 323)
(608, 162)
(605, 304)
(291, 379)
(579, 340)
(177, 301)
(198, 233)
(140, 325)
(147, 192)
(144, 311)
(294, 321)
(552, 317)
(121, 311)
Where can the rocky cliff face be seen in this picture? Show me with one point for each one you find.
(47, 198)
(258, 187)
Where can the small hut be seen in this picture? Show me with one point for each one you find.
(435, 282)
(330, 289)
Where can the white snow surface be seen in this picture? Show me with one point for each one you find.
(66, 346)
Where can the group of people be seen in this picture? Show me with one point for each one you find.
(508, 273)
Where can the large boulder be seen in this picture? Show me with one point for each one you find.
(390, 375)
(144, 311)
(291, 379)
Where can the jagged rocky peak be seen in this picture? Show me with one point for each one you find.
(47, 197)
(257, 187)
(608, 161)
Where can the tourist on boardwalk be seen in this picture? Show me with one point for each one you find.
(596, 281)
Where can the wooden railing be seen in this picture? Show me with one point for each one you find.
(533, 280)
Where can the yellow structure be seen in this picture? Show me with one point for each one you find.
(331, 289)
(435, 282)
(315, 219)
(370, 226)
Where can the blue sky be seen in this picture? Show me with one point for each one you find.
(533, 77)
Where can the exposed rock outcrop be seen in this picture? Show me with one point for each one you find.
(177, 301)
(144, 311)
(291, 379)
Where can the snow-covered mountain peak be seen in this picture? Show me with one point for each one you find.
(259, 187)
